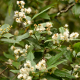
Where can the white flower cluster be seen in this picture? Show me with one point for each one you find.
(28, 68)
(41, 65)
(64, 36)
(76, 67)
(24, 72)
(42, 27)
(20, 52)
(21, 16)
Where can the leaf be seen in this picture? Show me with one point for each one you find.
(68, 56)
(43, 11)
(16, 64)
(53, 59)
(8, 35)
(9, 56)
(21, 59)
(76, 9)
(77, 47)
(61, 30)
(45, 16)
(48, 77)
(15, 71)
(30, 57)
(9, 40)
(60, 73)
(10, 8)
(21, 37)
(55, 65)
(5, 28)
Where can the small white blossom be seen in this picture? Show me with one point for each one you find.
(29, 22)
(76, 75)
(30, 31)
(49, 24)
(28, 10)
(16, 13)
(12, 47)
(66, 25)
(20, 76)
(29, 78)
(22, 3)
(18, 20)
(18, 2)
(21, 14)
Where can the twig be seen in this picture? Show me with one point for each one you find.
(65, 10)
(3, 70)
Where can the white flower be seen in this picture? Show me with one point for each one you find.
(12, 47)
(24, 76)
(20, 76)
(49, 24)
(16, 13)
(28, 10)
(66, 25)
(74, 35)
(49, 32)
(18, 2)
(30, 31)
(29, 22)
(55, 36)
(22, 10)
(22, 3)
(32, 68)
(21, 14)
(16, 51)
(10, 61)
(41, 65)
(17, 56)
(76, 75)
(25, 23)
(26, 46)
(18, 20)
(29, 78)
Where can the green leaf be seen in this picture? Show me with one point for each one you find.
(45, 16)
(5, 28)
(8, 35)
(10, 8)
(48, 77)
(16, 64)
(53, 59)
(76, 9)
(55, 65)
(77, 47)
(15, 71)
(60, 73)
(9, 56)
(21, 59)
(43, 11)
(30, 57)
(9, 40)
(21, 37)
(68, 55)
(61, 30)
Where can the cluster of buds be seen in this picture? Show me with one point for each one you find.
(44, 27)
(5, 30)
(25, 71)
(19, 52)
(28, 70)
(64, 36)
(21, 16)
(41, 65)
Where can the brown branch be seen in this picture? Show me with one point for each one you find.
(66, 9)
(3, 70)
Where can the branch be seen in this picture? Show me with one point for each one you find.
(67, 9)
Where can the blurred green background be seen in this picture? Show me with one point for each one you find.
(7, 8)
